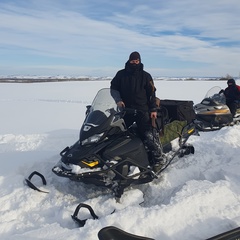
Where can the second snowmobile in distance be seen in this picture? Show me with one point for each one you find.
(110, 155)
(213, 113)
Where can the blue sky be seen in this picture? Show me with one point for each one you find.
(94, 38)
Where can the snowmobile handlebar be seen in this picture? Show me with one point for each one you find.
(123, 111)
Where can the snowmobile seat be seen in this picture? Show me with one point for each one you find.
(113, 233)
(179, 110)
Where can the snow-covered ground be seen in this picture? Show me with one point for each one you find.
(197, 197)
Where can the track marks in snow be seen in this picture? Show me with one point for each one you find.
(30, 142)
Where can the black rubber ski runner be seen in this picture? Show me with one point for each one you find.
(233, 234)
(113, 233)
(80, 222)
(31, 185)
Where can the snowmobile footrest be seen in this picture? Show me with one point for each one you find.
(113, 233)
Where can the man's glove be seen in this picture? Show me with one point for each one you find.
(121, 104)
(222, 91)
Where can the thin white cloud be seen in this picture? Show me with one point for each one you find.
(77, 33)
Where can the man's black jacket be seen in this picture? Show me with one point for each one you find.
(135, 88)
(232, 93)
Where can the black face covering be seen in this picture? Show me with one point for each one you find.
(232, 82)
(134, 66)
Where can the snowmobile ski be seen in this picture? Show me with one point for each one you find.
(31, 185)
(80, 222)
(114, 233)
(233, 234)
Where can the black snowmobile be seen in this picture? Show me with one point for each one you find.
(108, 154)
(213, 113)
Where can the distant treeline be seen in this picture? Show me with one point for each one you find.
(38, 80)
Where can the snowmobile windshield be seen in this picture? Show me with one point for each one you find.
(102, 107)
(214, 95)
(100, 117)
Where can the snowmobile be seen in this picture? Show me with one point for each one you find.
(108, 154)
(213, 113)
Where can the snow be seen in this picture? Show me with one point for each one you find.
(197, 197)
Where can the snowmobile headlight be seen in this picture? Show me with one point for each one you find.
(218, 107)
(93, 139)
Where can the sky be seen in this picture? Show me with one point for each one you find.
(187, 38)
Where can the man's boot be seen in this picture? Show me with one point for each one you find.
(158, 163)
(153, 144)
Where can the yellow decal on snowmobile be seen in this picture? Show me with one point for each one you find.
(92, 164)
(216, 111)
(191, 130)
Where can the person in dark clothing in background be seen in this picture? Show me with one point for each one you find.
(232, 94)
(134, 88)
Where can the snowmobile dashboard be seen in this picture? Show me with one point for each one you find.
(210, 102)
(119, 123)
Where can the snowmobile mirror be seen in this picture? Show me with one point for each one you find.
(88, 109)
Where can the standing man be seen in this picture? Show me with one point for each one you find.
(232, 94)
(134, 88)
